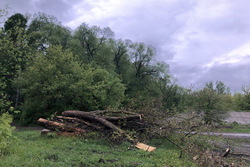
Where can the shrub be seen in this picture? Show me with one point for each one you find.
(5, 132)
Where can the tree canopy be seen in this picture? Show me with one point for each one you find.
(46, 68)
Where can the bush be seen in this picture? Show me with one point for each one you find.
(5, 132)
(209, 104)
(56, 81)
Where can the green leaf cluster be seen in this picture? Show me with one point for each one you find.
(5, 132)
(56, 81)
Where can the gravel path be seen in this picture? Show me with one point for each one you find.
(228, 135)
(239, 117)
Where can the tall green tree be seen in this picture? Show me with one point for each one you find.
(15, 25)
(242, 100)
(5, 104)
(57, 81)
(46, 30)
(14, 55)
(92, 44)
(141, 56)
(121, 60)
(219, 87)
(209, 103)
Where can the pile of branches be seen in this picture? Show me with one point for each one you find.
(79, 122)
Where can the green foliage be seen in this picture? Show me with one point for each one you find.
(219, 87)
(92, 40)
(209, 103)
(14, 24)
(5, 120)
(239, 102)
(5, 132)
(14, 20)
(242, 100)
(93, 45)
(57, 81)
(14, 55)
(5, 105)
(173, 97)
(45, 31)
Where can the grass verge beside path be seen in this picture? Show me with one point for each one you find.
(30, 149)
(235, 129)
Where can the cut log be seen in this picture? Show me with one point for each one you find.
(97, 112)
(130, 115)
(80, 121)
(127, 118)
(60, 126)
(145, 147)
(92, 117)
(45, 131)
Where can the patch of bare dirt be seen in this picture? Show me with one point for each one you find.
(19, 128)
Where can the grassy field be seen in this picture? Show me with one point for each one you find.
(29, 149)
(235, 129)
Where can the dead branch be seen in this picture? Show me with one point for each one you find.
(240, 154)
(227, 152)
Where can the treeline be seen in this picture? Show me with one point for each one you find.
(47, 68)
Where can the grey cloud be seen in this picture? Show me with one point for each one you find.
(63, 10)
(153, 22)
(234, 76)
(186, 74)
(185, 34)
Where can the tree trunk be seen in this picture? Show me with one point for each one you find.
(80, 121)
(92, 117)
(60, 126)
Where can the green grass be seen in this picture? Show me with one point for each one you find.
(29, 149)
(235, 129)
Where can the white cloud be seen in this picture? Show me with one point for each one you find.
(235, 56)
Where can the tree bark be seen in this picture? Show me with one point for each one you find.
(60, 126)
(80, 121)
(92, 117)
(131, 115)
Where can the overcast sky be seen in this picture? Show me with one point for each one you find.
(201, 40)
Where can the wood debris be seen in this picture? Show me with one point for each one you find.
(79, 122)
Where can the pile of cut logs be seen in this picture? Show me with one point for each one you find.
(79, 122)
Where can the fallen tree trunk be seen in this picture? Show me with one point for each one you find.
(92, 117)
(60, 126)
(127, 118)
(80, 121)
